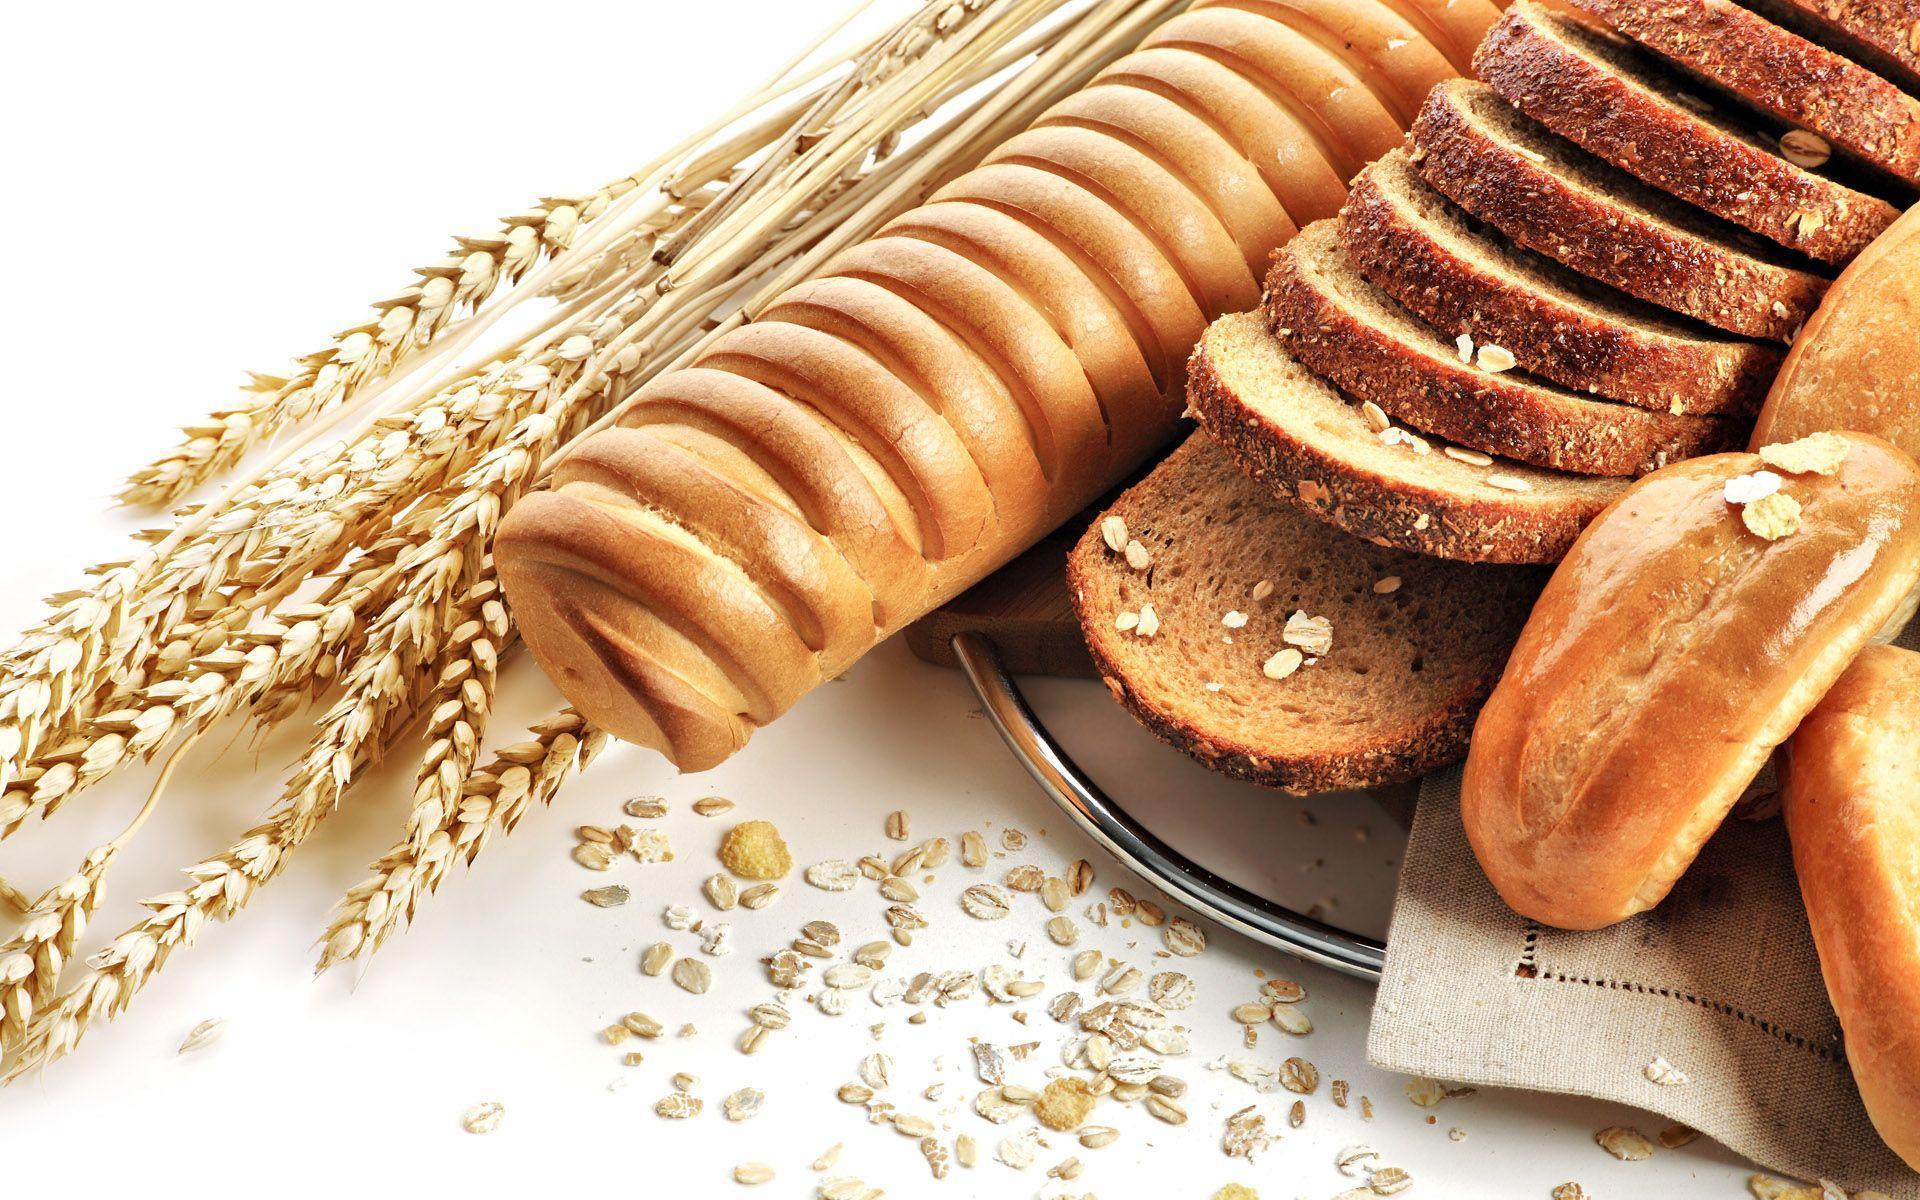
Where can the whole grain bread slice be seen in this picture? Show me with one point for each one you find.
(1882, 35)
(1302, 440)
(1780, 73)
(1414, 244)
(1360, 339)
(1417, 642)
(1553, 197)
(1596, 89)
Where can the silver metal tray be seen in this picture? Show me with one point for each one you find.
(1135, 845)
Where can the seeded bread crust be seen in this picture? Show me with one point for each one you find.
(1358, 338)
(1304, 445)
(1580, 82)
(1554, 198)
(1883, 35)
(1414, 244)
(1295, 733)
(1778, 72)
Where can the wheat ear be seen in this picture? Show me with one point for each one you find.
(492, 801)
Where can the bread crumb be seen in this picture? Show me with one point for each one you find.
(755, 850)
(1495, 359)
(1772, 517)
(1065, 1104)
(1818, 454)
(1745, 489)
(1282, 664)
(1113, 531)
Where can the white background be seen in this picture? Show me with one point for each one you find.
(196, 189)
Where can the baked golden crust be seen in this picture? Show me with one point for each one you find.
(1852, 803)
(1670, 653)
(1857, 363)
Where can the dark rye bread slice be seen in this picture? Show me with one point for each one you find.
(1395, 696)
(1883, 35)
(1594, 88)
(1413, 243)
(1358, 338)
(1553, 197)
(1778, 72)
(1302, 440)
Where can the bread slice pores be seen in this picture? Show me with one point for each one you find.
(1417, 642)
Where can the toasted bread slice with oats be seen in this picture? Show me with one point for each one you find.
(1417, 643)
(1302, 440)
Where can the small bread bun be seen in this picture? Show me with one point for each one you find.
(1852, 802)
(1856, 364)
(1681, 640)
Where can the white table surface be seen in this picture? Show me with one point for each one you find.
(197, 189)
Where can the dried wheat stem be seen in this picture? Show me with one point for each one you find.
(492, 802)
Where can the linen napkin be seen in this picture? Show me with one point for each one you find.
(1721, 981)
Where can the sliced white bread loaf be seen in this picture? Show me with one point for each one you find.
(1191, 632)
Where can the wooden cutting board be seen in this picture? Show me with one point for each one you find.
(1023, 606)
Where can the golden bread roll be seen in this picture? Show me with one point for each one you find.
(1681, 640)
(1852, 803)
(1856, 364)
(883, 436)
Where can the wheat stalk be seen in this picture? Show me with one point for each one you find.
(492, 801)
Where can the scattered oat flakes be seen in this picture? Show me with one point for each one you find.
(1464, 345)
(760, 895)
(1165, 1108)
(1772, 517)
(607, 897)
(1149, 622)
(833, 875)
(721, 891)
(1509, 483)
(1138, 557)
(973, 849)
(651, 846)
(752, 1174)
(1494, 359)
(1745, 489)
(717, 939)
(484, 1118)
(1314, 635)
(1425, 1092)
(1817, 454)
(645, 807)
(693, 975)
(755, 850)
(1299, 1076)
(593, 856)
(1664, 1073)
(1283, 664)
(1246, 1134)
(1569, 1191)
(1473, 458)
(1388, 1181)
(655, 959)
(1113, 531)
(1628, 1145)
(1063, 931)
(985, 902)
(1675, 1136)
(677, 916)
(206, 1033)
(1019, 1150)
